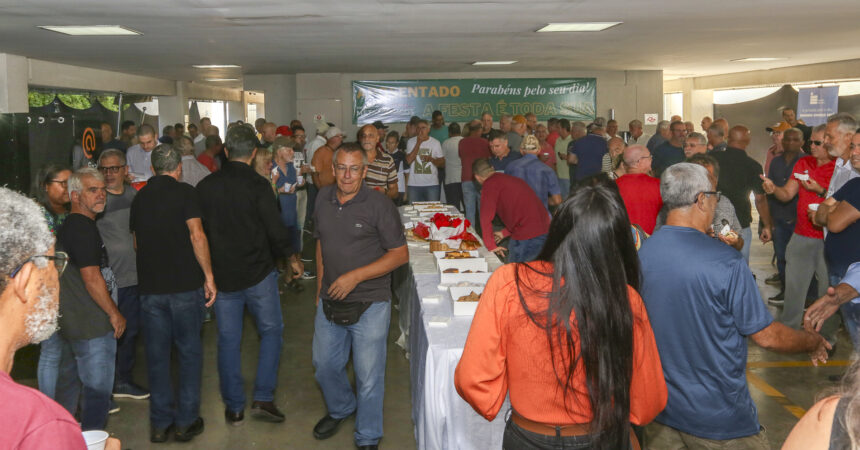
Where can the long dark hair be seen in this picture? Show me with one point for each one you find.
(590, 245)
(39, 190)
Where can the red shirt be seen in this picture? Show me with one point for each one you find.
(549, 150)
(507, 353)
(470, 149)
(31, 420)
(808, 165)
(641, 194)
(208, 161)
(516, 204)
(551, 138)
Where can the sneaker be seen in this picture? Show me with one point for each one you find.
(130, 390)
(114, 408)
(778, 299)
(773, 280)
(308, 276)
(266, 411)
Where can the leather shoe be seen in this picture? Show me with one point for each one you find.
(327, 427)
(185, 434)
(234, 417)
(266, 411)
(368, 447)
(158, 435)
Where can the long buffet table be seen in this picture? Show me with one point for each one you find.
(433, 338)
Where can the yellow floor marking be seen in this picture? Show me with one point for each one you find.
(777, 396)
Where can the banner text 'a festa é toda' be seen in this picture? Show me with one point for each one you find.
(463, 100)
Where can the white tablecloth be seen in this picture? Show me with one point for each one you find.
(442, 419)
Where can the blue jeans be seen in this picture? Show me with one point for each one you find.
(471, 200)
(746, 233)
(525, 251)
(564, 185)
(94, 361)
(128, 302)
(454, 195)
(850, 314)
(264, 304)
(174, 319)
(56, 373)
(518, 438)
(331, 346)
(423, 193)
(782, 231)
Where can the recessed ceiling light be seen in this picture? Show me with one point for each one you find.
(492, 63)
(215, 66)
(222, 79)
(577, 26)
(92, 30)
(758, 59)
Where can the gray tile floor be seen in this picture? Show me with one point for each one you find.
(780, 392)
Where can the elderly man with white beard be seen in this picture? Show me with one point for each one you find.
(29, 290)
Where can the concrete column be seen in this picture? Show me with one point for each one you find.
(280, 95)
(14, 74)
(173, 109)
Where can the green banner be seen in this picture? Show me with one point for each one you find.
(462, 100)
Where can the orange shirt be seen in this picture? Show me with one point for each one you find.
(322, 162)
(506, 351)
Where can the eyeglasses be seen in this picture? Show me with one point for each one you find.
(63, 183)
(110, 169)
(693, 144)
(818, 143)
(352, 169)
(717, 193)
(61, 260)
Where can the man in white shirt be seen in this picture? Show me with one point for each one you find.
(192, 170)
(424, 155)
(138, 156)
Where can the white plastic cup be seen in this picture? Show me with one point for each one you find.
(813, 206)
(96, 439)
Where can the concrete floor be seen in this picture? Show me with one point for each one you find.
(780, 392)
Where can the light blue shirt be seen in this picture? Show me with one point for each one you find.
(139, 163)
(536, 174)
(852, 278)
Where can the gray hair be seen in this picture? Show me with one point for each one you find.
(506, 117)
(819, 128)
(165, 159)
(663, 125)
(350, 147)
(717, 130)
(699, 136)
(681, 183)
(635, 123)
(24, 233)
(578, 126)
(184, 145)
(112, 152)
(76, 181)
(793, 130)
(847, 122)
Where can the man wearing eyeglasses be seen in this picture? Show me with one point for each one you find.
(639, 190)
(704, 303)
(359, 243)
(114, 231)
(694, 144)
(29, 269)
(90, 322)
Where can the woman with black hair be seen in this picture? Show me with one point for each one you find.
(567, 336)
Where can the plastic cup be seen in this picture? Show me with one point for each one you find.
(96, 439)
(813, 206)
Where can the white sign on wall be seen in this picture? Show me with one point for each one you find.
(651, 119)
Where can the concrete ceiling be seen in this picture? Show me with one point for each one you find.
(682, 38)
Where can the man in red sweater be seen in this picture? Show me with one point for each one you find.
(640, 191)
(522, 213)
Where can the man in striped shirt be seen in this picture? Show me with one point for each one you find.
(381, 171)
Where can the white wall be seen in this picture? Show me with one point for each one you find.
(280, 95)
(630, 93)
(13, 84)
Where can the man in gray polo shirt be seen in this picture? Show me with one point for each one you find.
(360, 242)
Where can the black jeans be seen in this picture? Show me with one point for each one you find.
(454, 195)
(516, 438)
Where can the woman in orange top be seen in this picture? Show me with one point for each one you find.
(577, 382)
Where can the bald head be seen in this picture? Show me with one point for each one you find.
(739, 137)
(615, 146)
(722, 123)
(637, 159)
(475, 128)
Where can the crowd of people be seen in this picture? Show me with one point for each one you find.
(627, 297)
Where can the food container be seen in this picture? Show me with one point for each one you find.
(441, 255)
(473, 278)
(464, 308)
(462, 265)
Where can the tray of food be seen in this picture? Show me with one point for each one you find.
(470, 277)
(457, 254)
(463, 265)
(465, 299)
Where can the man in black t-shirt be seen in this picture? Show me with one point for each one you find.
(90, 322)
(174, 276)
(740, 175)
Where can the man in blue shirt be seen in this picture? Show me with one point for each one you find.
(587, 153)
(703, 303)
(671, 151)
(502, 154)
(535, 173)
